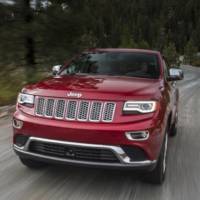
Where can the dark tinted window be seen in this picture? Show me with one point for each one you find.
(115, 64)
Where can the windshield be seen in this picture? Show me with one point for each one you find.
(115, 64)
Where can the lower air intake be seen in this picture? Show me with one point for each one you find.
(74, 153)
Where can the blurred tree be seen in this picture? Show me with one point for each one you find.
(170, 53)
(126, 39)
(29, 39)
(190, 52)
(143, 45)
(24, 20)
(47, 32)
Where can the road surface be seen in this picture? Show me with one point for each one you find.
(71, 183)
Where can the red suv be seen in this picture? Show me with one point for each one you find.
(105, 107)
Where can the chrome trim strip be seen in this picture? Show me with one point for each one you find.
(129, 137)
(15, 126)
(118, 151)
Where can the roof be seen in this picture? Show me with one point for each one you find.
(124, 50)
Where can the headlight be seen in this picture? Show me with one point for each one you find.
(140, 106)
(25, 99)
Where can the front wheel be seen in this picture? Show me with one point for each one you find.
(157, 175)
(173, 131)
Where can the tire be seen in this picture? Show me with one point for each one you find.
(157, 175)
(32, 164)
(173, 131)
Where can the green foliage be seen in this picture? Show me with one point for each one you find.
(170, 53)
(143, 45)
(190, 52)
(196, 62)
(126, 39)
(11, 82)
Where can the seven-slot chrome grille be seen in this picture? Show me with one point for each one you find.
(81, 110)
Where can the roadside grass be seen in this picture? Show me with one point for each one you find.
(196, 63)
(12, 81)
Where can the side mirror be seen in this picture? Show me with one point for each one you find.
(56, 69)
(175, 74)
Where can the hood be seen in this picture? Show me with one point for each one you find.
(97, 87)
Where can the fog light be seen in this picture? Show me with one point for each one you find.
(17, 124)
(137, 135)
(20, 140)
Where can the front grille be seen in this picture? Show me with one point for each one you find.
(60, 109)
(81, 110)
(108, 110)
(96, 109)
(71, 110)
(72, 152)
(49, 107)
(40, 106)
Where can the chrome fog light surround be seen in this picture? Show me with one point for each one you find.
(137, 135)
(17, 124)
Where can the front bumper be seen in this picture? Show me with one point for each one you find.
(110, 134)
(124, 161)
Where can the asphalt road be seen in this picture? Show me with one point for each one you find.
(70, 183)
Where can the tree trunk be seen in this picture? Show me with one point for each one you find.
(29, 41)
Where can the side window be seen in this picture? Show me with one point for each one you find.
(166, 69)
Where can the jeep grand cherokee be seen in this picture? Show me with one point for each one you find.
(105, 108)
